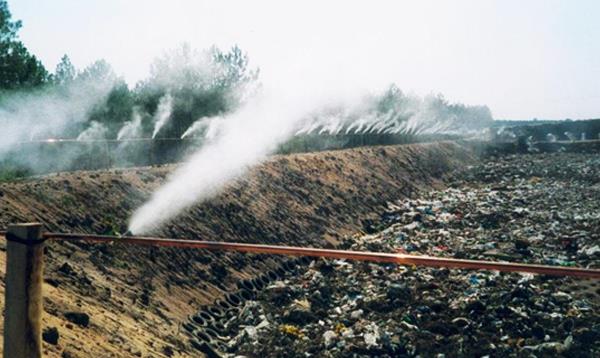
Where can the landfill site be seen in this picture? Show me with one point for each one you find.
(305, 179)
(446, 199)
(530, 208)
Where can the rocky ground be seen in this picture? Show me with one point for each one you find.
(540, 208)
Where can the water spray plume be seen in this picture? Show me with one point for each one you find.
(198, 126)
(163, 113)
(572, 137)
(237, 142)
(131, 128)
(95, 131)
(206, 127)
(245, 138)
(407, 115)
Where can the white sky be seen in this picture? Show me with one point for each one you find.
(523, 59)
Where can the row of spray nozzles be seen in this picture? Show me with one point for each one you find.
(209, 128)
(211, 134)
(508, 134)
(419, 118)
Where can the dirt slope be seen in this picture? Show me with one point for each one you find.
(137, 297)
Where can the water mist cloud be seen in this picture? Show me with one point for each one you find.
(246, 137)
(48, 113)
(396, 113)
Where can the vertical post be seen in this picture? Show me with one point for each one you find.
(23, 291)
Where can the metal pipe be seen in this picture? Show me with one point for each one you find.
(395, 258)
(72, 140)
(147, 139)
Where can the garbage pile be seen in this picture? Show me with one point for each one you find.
(534, 208)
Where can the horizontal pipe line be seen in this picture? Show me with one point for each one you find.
(559, 142)
(173, 139)
(72, 140)
(395, 258)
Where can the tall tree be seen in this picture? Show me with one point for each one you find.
(18, 68)
(203, 83)
(8, 28)
(65, 71)
(100, 71)
(115, 109)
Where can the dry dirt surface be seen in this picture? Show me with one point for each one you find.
(121, 301)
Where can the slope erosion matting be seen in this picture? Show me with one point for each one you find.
(137, 297)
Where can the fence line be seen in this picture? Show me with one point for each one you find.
(25, 257)
(393, 258)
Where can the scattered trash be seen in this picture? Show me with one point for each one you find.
(50, 335)
(291, 330)
(540, 208)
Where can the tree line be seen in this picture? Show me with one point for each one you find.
(185, 86)
(206, 82)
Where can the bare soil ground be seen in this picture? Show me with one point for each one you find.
(137, 298)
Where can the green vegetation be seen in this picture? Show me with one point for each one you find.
(184, 85)
(18, 68)
(11, 172)
(201, 83)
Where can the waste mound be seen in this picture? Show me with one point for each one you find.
(533, 208)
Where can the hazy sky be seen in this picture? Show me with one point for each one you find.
(523, 59)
